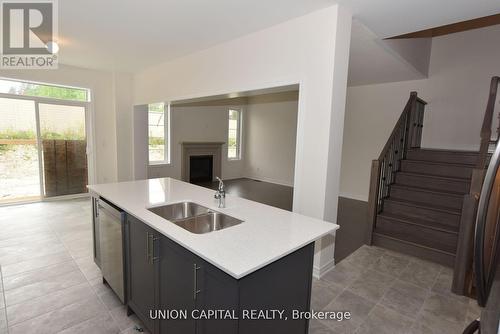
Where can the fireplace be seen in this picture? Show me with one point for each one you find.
(201, 168)
(201, 161)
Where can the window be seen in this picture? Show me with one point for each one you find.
(158, 131)
(234, 135)
(44, 90)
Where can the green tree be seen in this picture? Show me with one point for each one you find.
(55, 92)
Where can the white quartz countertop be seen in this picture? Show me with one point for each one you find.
(267, 233)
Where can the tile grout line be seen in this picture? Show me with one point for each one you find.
(4, 303)
(78, 269)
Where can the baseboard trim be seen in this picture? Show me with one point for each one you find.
(264, 179)
(320, 272)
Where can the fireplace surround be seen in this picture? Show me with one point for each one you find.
(201, 149)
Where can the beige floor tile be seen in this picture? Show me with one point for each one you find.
(123, 321)
(3, 320)
(34, 276)
(16, 254)
(443, 285)
(53, 301)
(371, 285)
(102, 324)
(421, 273)
(35, 263)
(391, 264)
(384, 321)
(110, 299)
(405, 298)
(88, 267)
(323, 293)
(365, 256)
(98, 286)
(444, 313)
(60, 319)
(343, 274)
(358, 306)
(44, 287)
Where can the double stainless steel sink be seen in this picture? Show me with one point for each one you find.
(195, 218)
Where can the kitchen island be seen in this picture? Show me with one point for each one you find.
(241, 275)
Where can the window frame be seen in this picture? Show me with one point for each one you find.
(239, 110)
(166, 136)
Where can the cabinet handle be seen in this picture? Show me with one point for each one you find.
(148, 254)
(195, 281)
(96, 207)
(152, 256)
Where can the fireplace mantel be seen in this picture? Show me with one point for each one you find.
(201, 148)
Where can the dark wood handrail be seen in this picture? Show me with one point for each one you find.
(406, 134)
(487, 124)
(463, 273)
(399, 124)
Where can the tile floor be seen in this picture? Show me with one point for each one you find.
(51, 284)
(50, 281)
(387, 292)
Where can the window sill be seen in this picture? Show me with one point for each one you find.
(159, 164)
(234, 159)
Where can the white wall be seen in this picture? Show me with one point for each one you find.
(457, 88)
(123, 105)
(270, 134)
(311, 50)
(103, 108)
(205, 122)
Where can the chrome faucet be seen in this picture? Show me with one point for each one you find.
(220, 194)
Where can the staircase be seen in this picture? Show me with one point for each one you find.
(421, 214)
(423, 202)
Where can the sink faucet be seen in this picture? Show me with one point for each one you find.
(220, 194)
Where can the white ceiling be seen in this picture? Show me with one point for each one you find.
(387, 18)
(128, 35)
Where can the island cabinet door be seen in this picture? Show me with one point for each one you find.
(216, 300)
(191, 285)
(177, 286)
(142, 270)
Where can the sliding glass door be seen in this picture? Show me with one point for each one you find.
(64, 149)
(19, 155)
(43, 149)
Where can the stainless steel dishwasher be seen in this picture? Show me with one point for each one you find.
(111, 232)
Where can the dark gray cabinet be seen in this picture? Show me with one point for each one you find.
(189, 283)
(95, 231)
(142, 268)
(166, 276)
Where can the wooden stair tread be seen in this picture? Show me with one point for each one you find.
(423, 206)
(425, 223)
(414, 244)
(458, 179)
(439, 163)
(443, 150)
(427, 190)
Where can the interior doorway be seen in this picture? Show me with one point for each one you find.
(43, 146)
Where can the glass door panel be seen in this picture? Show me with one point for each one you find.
(19, 164)
(64, 147)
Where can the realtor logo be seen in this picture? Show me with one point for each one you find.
(29, 34)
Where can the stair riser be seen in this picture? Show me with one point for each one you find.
(448, 201)
(433, 184)
(422, 213)
(422, 253)
(433, 169)
(443, 156)
(417, 234)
